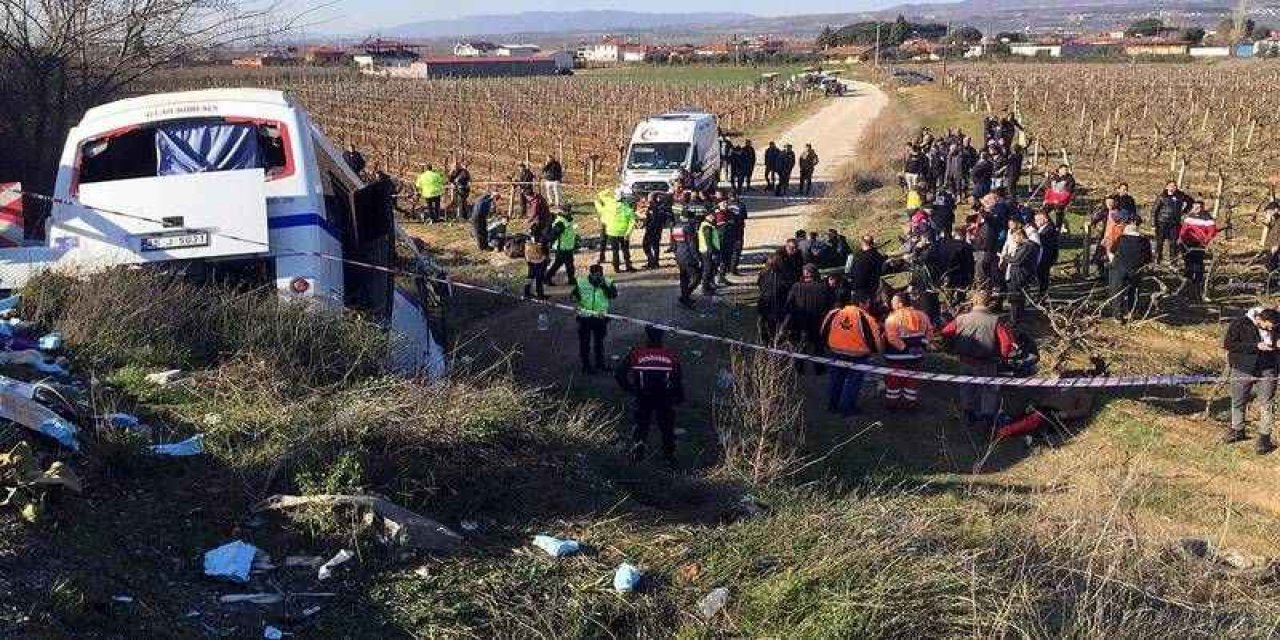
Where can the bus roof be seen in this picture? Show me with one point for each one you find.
(168, 101)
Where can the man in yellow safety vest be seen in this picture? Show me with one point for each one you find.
(593, 298)
(430, 185)
(564, 241)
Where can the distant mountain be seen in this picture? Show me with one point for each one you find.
(559, 22)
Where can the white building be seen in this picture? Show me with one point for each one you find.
(607, 52)
(563, 59)
(1031, 49)
(516, 50)
(634, 53)
(1210, 52)
(473, 49)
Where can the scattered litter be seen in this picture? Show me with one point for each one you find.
(544, 322)
(163, 378)
(192, 614)
(398, 527)
(626, 579)
(121, 421)
(211, 419)
(422, 572)
(310, 611)
(555, 547)
(303, 561)
(17, 404)
(20, 465)
(50, 342)
(125, 599)
(251, 598)
(231, 561)
(272, 633)
(713, 602)
(192, 446)
(326, 570)
(262, 563)
(469, 525)
(36, 360)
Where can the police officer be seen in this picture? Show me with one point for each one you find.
(593, 298)
(564, 241)
(657, 218)
(684, 241)
(652, 374)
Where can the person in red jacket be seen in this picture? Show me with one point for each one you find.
(651, 373)
(982, 341)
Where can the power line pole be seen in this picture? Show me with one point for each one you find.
(877, 63)
(946, 52)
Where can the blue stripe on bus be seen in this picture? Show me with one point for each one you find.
(301, 220)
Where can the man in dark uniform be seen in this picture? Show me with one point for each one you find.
(651, 373)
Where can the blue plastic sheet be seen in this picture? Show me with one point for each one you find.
(555, 547)
(192, 446)
(232, 561)
(201, 148)
(11, 303)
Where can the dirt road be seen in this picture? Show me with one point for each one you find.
(834, 131)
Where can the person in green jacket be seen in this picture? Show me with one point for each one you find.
(564, 241)
(430, 185)
(709, 246)
(618, 230)
(593, 298)
(606, 204)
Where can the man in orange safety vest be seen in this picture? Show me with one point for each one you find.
(907, 334)
(852, 334)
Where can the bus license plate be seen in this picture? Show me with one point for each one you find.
(175, 241)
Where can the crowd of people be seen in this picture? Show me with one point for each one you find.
(973, 255)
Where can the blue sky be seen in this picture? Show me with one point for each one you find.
(347, 16)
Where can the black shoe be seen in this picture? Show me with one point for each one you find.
(1234, 435)
(1264, 445)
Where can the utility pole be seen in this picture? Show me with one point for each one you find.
(946, 52)
(877, 63)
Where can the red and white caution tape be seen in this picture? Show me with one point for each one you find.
(1095, 382)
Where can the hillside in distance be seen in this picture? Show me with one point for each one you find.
(559, 22)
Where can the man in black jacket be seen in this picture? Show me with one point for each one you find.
(808, 302)
(748, 155)
(772, 154)
(1166, 215)
(866, 268)
(1250, 343)
(460, 180)
(772, 285)
(786, 164)
(354, 159)
(1050, 248)
(552, 176)
(1130, 253)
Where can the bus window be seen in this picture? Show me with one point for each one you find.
(183, 147)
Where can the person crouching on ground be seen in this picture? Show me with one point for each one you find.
(852, 334)
(651, 373)
(1251, 345)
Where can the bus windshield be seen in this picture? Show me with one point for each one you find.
(660, 155)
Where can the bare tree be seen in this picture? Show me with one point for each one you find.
(61, 57)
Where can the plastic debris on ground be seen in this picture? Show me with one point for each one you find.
(50, 342)
(124, 599)
(310, 562)
(121, 421)
(555, 547)
(272, 633)
(251, 598)
(36, 360)
(469, 525)
(192, 446)
(11, 303)
(326, 570)
(232, 561)
(627, 578)
(713, 602)
(396, 526)
(162, 378)
(20, 465)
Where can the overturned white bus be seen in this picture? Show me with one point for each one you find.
(233, 184)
